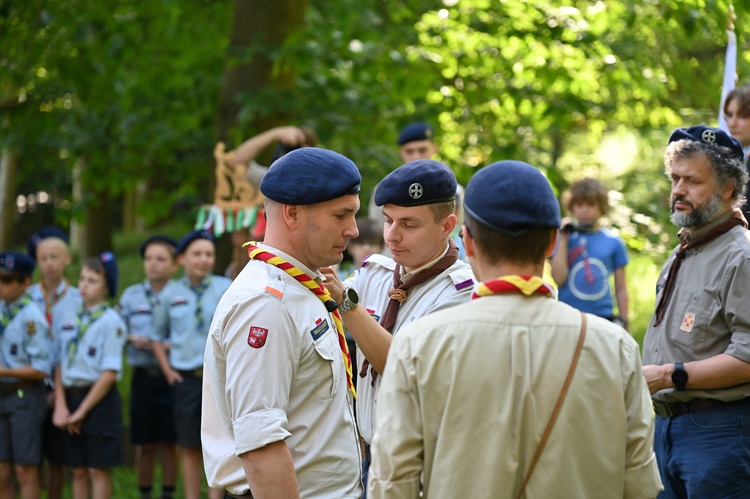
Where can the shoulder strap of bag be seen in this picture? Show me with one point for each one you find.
(558, 405)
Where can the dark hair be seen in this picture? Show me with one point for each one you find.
(530, 246)
(8, 276)
(725, 164)
(742, 94)
(587, 190)
(94, 264)
(370, 231)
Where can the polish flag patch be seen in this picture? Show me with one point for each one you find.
(257, 336)
(687, 322)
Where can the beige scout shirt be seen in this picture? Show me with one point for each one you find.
(291, 385)
(372, 283)
(468, 392)
(708, 312)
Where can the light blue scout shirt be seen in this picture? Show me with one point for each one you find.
(23, 337)
(179, 317)
(65, 302)
(136, 307)
(92, 346)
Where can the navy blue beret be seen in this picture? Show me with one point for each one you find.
(110, 272)
(17, 262)
(310, 175)
(157, 238)
(419, 182)
(193, 236)
(414, 132)
(42, 234)
(708, 135)
(511, 197)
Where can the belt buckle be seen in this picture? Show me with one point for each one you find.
(663, 409)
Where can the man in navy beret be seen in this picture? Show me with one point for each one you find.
(696, 352)
(424, 274)
(472, 388)
(278, 389)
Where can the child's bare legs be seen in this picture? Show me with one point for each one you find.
(145, 460)
(55, 480)
(6, 481)
(192, 472)
(168, 464)
(101, 483)
(80, 482)
(28, 481)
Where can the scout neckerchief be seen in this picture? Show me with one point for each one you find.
(736, 219)
(83, 327)
(198, 290)
(9, 313)
(149, 293)
(256, 253)
(51, 297)
(526, 284)
(399, 293)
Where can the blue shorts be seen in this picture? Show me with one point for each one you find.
(151, 408)
(22, 410)
(100, 443)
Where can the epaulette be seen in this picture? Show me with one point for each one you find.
(275, 286)
(381, 260)
(462, 278)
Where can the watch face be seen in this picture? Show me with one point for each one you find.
(351, 295)
(680, 379)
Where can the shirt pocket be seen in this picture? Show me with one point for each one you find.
(327, 366)
(694, 323)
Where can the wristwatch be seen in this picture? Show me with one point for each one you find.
(679, 376)
(351, 299)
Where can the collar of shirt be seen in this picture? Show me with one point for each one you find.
(312, 274)
(405, 277)
(89, 311)
(687, 234)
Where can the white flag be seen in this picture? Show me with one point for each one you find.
(730, 76)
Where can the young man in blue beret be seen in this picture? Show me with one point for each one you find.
(152, 425)
(278, 419)
(424, 274)
(180, 321)
(696, 352)
(24, 363)
(469, 392)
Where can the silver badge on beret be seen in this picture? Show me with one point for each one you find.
(415, 190)
(709, 136)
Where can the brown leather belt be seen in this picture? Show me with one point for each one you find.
(193, 373)
(672, 409)
(18, 385)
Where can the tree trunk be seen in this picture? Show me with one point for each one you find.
(262, 27)
(8, 171)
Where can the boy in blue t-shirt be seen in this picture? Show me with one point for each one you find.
(24, 363)
(587, 254)
(151, 409)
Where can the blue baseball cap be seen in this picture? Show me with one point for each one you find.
(419, 182)
(310, 175)
(512, 197)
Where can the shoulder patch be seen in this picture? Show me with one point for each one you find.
(31, 328)
(257, 336)
(462, 278)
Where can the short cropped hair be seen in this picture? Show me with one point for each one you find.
(9, 276)
(442, 210)
(725, 164)
(589, 191)
(528, 247)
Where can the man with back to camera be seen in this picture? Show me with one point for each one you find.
(469, 392)
(278, 418)
(696, 352)
(424, 274)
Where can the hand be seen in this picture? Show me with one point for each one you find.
(60, 417)
(333, 284)
(74, 423)
(173, 377)
(290, 136)
(140, 342)
(658, 377)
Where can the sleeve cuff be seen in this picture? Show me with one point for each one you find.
(258, 429)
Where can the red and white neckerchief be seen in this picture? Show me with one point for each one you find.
(526, 284)
(256, 253)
